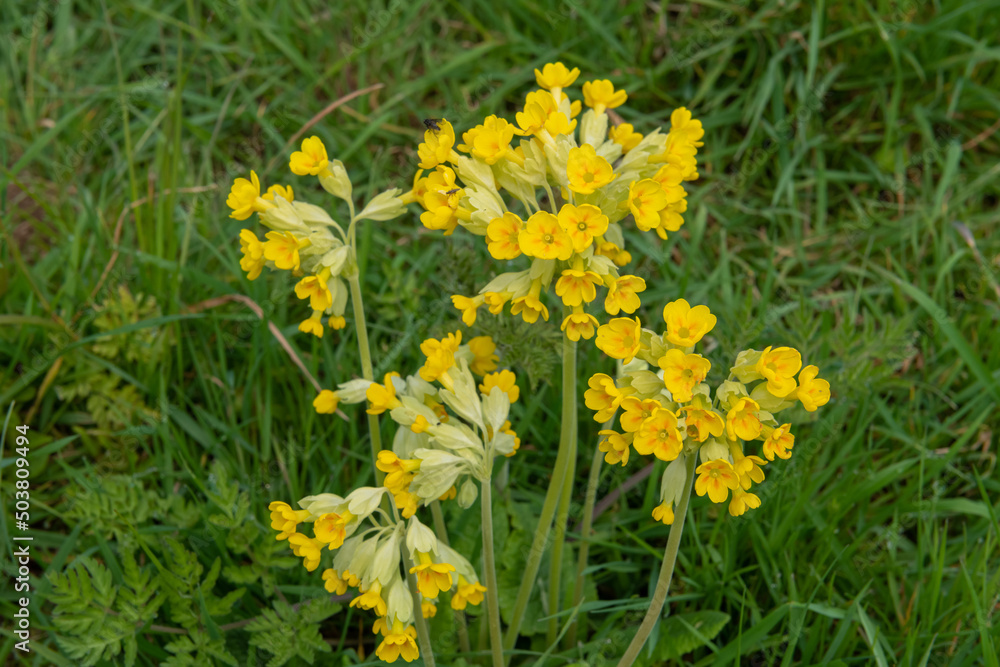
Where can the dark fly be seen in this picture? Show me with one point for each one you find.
(432, 124)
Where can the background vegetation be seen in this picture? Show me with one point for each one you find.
(848, 207)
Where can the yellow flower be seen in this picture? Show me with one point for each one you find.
(496, 301)
(700, 423)
(313, 325)
(371, 599)
(284, 519)
(502, 236)
(419, 424)
(615, 446)
(311, 160)
(517, 444)
(646, 199)
(492, 141)
(243, 197)
(747, 467)
(467, 594)
(579, 325)
(582, 223)
(382, 397)
(440, 355)
(604, 396)
(742, 421)
(484, 359)
(307, 549)
(529, 306)
(742, 500)
(659, 436)
(686, 325)
(682, 373)
(614, 253)
(625, 136)
(282, 248)
(432, 578)
(623, 295)
(601, 95)
(664, 513)
(283, 191)
(333, 583)
(326, 403)
(685, 128)
(717, 478)
(437, 146)
(587, 171)
(468, 306)
(620, 338)
(779, 442)
(544, 238)
(556, 75)
(337, 322)
(400, 642)
(331, 528)
(577, 287)
(253, 254)
(779, 366)
(813, 391)
(504, 379)
(315, 289)
(635, 411)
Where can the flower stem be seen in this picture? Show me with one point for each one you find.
(375, 436)
(567, 433)
(562, 519)
(666, 570)
(461, 628)
(590, 498)
(490, 574)
(423, 635)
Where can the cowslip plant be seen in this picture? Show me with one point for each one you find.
(674, 415)
(559, 198)
(450, 431)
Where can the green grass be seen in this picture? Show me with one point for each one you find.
(847, 207)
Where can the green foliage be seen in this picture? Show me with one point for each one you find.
(287, 632)
(680, 634)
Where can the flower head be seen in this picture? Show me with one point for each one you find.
(683, 372)
(544, 238)
(600, 95)
(742, 421)
(437, 146)
(556, 75)
(587, 171)
(659, 436)
(646, 199)
(716, 478)
(579, 325)
(502, 236)
(311, 160)
(382, 397)
(484, 359)
(326, 403)
(813, 392)
(243, 197)
(253, 254)
(576, 287)
(779, 366)
(282, 248)
(504, 379)
(686, 325)
(623, 295)
(582, 223)
(779, 442)
(620, 338)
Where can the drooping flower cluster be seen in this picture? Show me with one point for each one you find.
(304, 238)
(672, 411)
(369, 546)
(450, 428)
(592, 177)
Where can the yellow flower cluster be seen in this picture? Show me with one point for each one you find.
(372, 562)
(591, 177)
(672, 411)
(451, 428)
(305, 239)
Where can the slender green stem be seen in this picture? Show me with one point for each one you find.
(562, 519)
(666, 570)
(441, 531)
(423, 635)
(544, 526)
(590, 498)
(375, 436)
(490, 573)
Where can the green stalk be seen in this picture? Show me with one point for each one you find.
(490, 574)
(367, 373)
(559, 539)
(590, 498)
(559, 474)
(666, 570)
(442, 534)
(423, 635)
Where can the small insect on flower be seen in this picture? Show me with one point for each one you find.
(432, 124)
